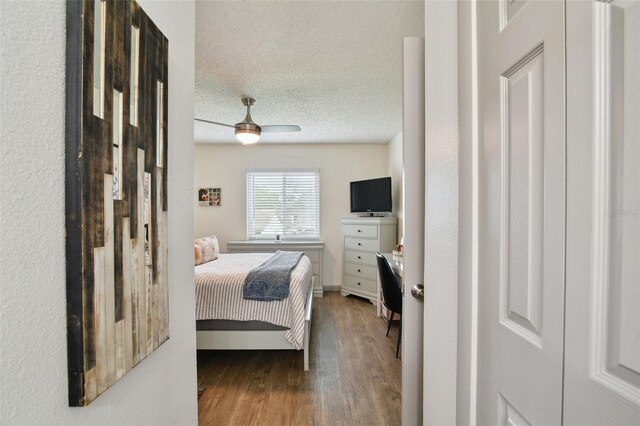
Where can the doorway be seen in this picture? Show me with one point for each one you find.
(295, 60)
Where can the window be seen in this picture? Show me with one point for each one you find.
(283, 202)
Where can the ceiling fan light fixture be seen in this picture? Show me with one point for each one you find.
(249, 132)
(247, 135)
(247, 138)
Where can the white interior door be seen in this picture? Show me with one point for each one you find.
(521, 212)
(413, 164)
(602, 351)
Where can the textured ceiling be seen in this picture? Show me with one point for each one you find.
(334, 68)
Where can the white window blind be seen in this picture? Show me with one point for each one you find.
(283, 202)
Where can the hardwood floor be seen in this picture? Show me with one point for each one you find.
(354, 377)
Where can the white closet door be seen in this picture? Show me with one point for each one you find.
(522, 212)
(602, 368)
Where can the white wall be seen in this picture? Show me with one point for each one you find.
(396, 171)
(225, 166)
(33, 353)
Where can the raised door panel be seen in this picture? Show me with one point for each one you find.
(508, 10)
(522, 168)
(509, 415)
(521, 90)
(615, 350)
(602, 367)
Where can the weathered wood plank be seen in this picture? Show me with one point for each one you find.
(165, 128)
(127, 320)
(73, 204)
(119, 216)
(121, 367)
(163, 278)
(100, 320)
(131, 181)
(90, 385)
(149, 287)
(149, 219)
(109, 272)
(157, 289)
(141, 279)
(157, 281)
(154, 316)
(135, 311)
(164, 318)
(118, 54)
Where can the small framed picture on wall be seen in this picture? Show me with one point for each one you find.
(210, 197)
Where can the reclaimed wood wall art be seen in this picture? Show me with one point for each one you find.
(116, 192)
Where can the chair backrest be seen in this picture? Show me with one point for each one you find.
(390, 289)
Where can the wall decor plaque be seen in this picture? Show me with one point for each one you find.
(116, 192)
(210, 197)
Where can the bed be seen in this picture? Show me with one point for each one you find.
(224, 320)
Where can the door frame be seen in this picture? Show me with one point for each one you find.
(413, 169)
(451, 197)
(469, 128)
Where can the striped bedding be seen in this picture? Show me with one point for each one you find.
(219, 294)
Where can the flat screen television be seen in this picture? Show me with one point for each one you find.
(371, 196)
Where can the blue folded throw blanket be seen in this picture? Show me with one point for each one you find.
(271, 280)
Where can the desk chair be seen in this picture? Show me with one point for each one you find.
(391, 293)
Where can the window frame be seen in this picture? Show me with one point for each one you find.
(284, 236)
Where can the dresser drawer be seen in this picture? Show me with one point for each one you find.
(366, 272)
(360, 257)
(364, 231)
(360, 283)
(351, 243)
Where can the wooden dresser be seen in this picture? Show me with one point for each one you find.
(362, 238)
(312, 249)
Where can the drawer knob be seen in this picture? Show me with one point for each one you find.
(359, 244)
(359, 230)
(358, 283)
(359, 270)
(359, 257)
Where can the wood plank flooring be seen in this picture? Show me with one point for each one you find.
(354, 377)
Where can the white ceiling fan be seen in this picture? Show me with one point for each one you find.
(249, 132)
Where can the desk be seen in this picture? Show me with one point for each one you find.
(396, 262)
(397, 266)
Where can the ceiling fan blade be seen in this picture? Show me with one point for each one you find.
(214, 122)
(280, 128)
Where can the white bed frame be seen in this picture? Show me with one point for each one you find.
(257, 339)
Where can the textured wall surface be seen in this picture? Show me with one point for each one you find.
(225, 166)
(33, 354)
